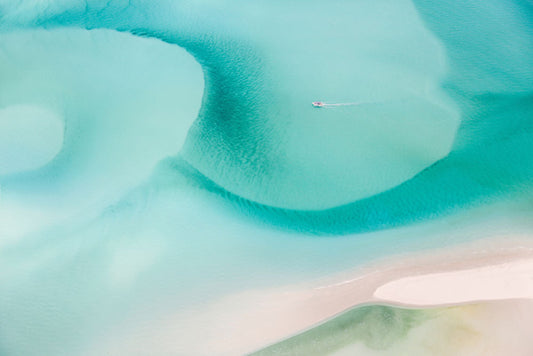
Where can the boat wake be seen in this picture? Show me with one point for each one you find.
(320, 104)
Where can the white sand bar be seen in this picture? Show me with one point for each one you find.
(509, 280)
(482, 270)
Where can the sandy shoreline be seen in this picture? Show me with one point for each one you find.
(251, 320)
(261, 317)
(509, 280)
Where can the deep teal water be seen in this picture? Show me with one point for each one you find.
(246, 131)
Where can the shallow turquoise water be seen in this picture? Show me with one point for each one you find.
(183, 160)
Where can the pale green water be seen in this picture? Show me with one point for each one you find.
(260, 189)
(377, 330)
(377, 327)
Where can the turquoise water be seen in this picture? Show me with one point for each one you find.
(157, 156)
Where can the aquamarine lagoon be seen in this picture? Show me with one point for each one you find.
(160, 157)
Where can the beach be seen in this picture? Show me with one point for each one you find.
(486, 270)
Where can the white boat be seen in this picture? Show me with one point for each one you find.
(321, 104)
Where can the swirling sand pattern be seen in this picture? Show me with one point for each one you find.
(237, 143)
(98, 246)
